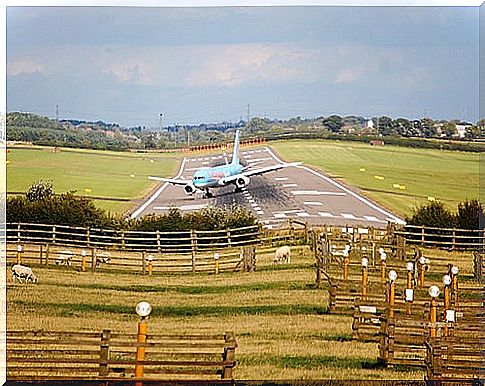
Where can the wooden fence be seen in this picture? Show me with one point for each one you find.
(48, 355)
(479, 266)
(449, 238)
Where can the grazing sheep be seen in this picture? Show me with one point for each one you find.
(65, 258)
(282, 255)
(20, 272)
(102, 258)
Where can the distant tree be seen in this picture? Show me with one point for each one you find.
(449, 129)
(334, 123)
(468, 215)
(433, 214)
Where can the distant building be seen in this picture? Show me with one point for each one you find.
(461, 129)
(370, 124)
(377, 143)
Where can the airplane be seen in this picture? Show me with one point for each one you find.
(218, 176)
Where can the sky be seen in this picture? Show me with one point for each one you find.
(207, 64)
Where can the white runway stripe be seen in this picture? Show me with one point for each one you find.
(183, 207)
(303, 214)
(312, 203)
(260, 212)
(290, 185)
(372, 218)
(281, 178)
(258, 159)
(325, 214)
(280, 215)
(348, 216)
(316, 193)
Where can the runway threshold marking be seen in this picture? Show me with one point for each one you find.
(137, 212)
(357, 196)
(315, 193)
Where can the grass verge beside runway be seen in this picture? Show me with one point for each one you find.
(381, 172)
(89, 172)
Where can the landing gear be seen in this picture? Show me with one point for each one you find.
(207, 194)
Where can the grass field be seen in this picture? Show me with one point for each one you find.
(448, 176)
(280, 320)
(89, 172)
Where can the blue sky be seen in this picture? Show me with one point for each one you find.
(205, 64)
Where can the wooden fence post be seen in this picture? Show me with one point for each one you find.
(41, 252)
(18, 233)
(229, 244)
(158, 242)
(193, 242)
(93, 259)
(47, 254)
(453, 239)
(422, 235)
(54, 234)
(104, 353)
(88, 237)
(228, 356)
(143, 262)
(122, 240)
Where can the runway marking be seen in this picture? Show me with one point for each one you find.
(290, 185)
(205, 163)
(206, 159)
(183, 207)
(260, 212)
(257, 208)
(281, 178)
(258, 151)
(360, 198)
(312, 203)
(280, 215)
(316, 193)
(258, 159)
(251, 200)
(372, 218)
(303, 214)
(137, 212)
(254, 204)
(199, 159)
(348, 216)
(325, 214)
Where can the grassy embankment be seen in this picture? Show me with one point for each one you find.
(90, 173)
(448, 176)
(283, 330)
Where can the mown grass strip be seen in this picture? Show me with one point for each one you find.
(195, 290)
(68, 309)
(309, 362)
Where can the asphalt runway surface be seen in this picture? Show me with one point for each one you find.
(296, 192)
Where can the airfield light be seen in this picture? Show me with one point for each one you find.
(455, 270)
(143, 309)
(446, 280)
(410, 266)
(383, 256)
(422, 260)
(392, 276)
(365, 262)
(19, 248)
(434, 291)
(150, 258)
(381, 250)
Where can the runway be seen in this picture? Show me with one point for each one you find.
(297, 192)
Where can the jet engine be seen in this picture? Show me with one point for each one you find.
(189, 189)
(242, 181)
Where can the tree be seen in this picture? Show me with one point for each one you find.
(433, 214)
(334, 123)
(468, 215)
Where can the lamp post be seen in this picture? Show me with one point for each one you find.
(434, 292)
(83, 260)
(454, 277)
(19, 253)
(422, 263)
(346, 264)
(446, 303)
(409, 287)
(143, 309)
(365, 262)
(150, 264)
(216, 263)
(383, 267)
(392, 290)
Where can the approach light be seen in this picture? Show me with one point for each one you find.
(455, 270)
(364, 248)
(150, 258)
(434, 291)
(381, 250)
(216, 256)
(383, 256)
(410, 266)
(392, 276)
(347, 247)
(143, 309)
(446, 280)
(365, 262)
(422, 260)
(19, 248)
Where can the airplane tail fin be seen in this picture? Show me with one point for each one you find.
(235, 153)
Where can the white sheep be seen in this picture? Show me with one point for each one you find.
(282, 255)
(102, 258)
(65, 258)
(20, 272)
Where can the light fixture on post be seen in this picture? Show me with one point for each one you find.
(434, 292)
(392, 290)
(365, 263)
(143, 309)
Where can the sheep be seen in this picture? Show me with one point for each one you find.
(65, 258)
(102, 258)
(20, 272)
(282, 255)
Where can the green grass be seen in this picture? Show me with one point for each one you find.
(103, 173)
(448, 176)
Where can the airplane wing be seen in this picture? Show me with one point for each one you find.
(170, 180)
(255, 172)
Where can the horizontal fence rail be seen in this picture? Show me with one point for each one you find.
(449, 238)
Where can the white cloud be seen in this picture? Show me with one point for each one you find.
(24, 66)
